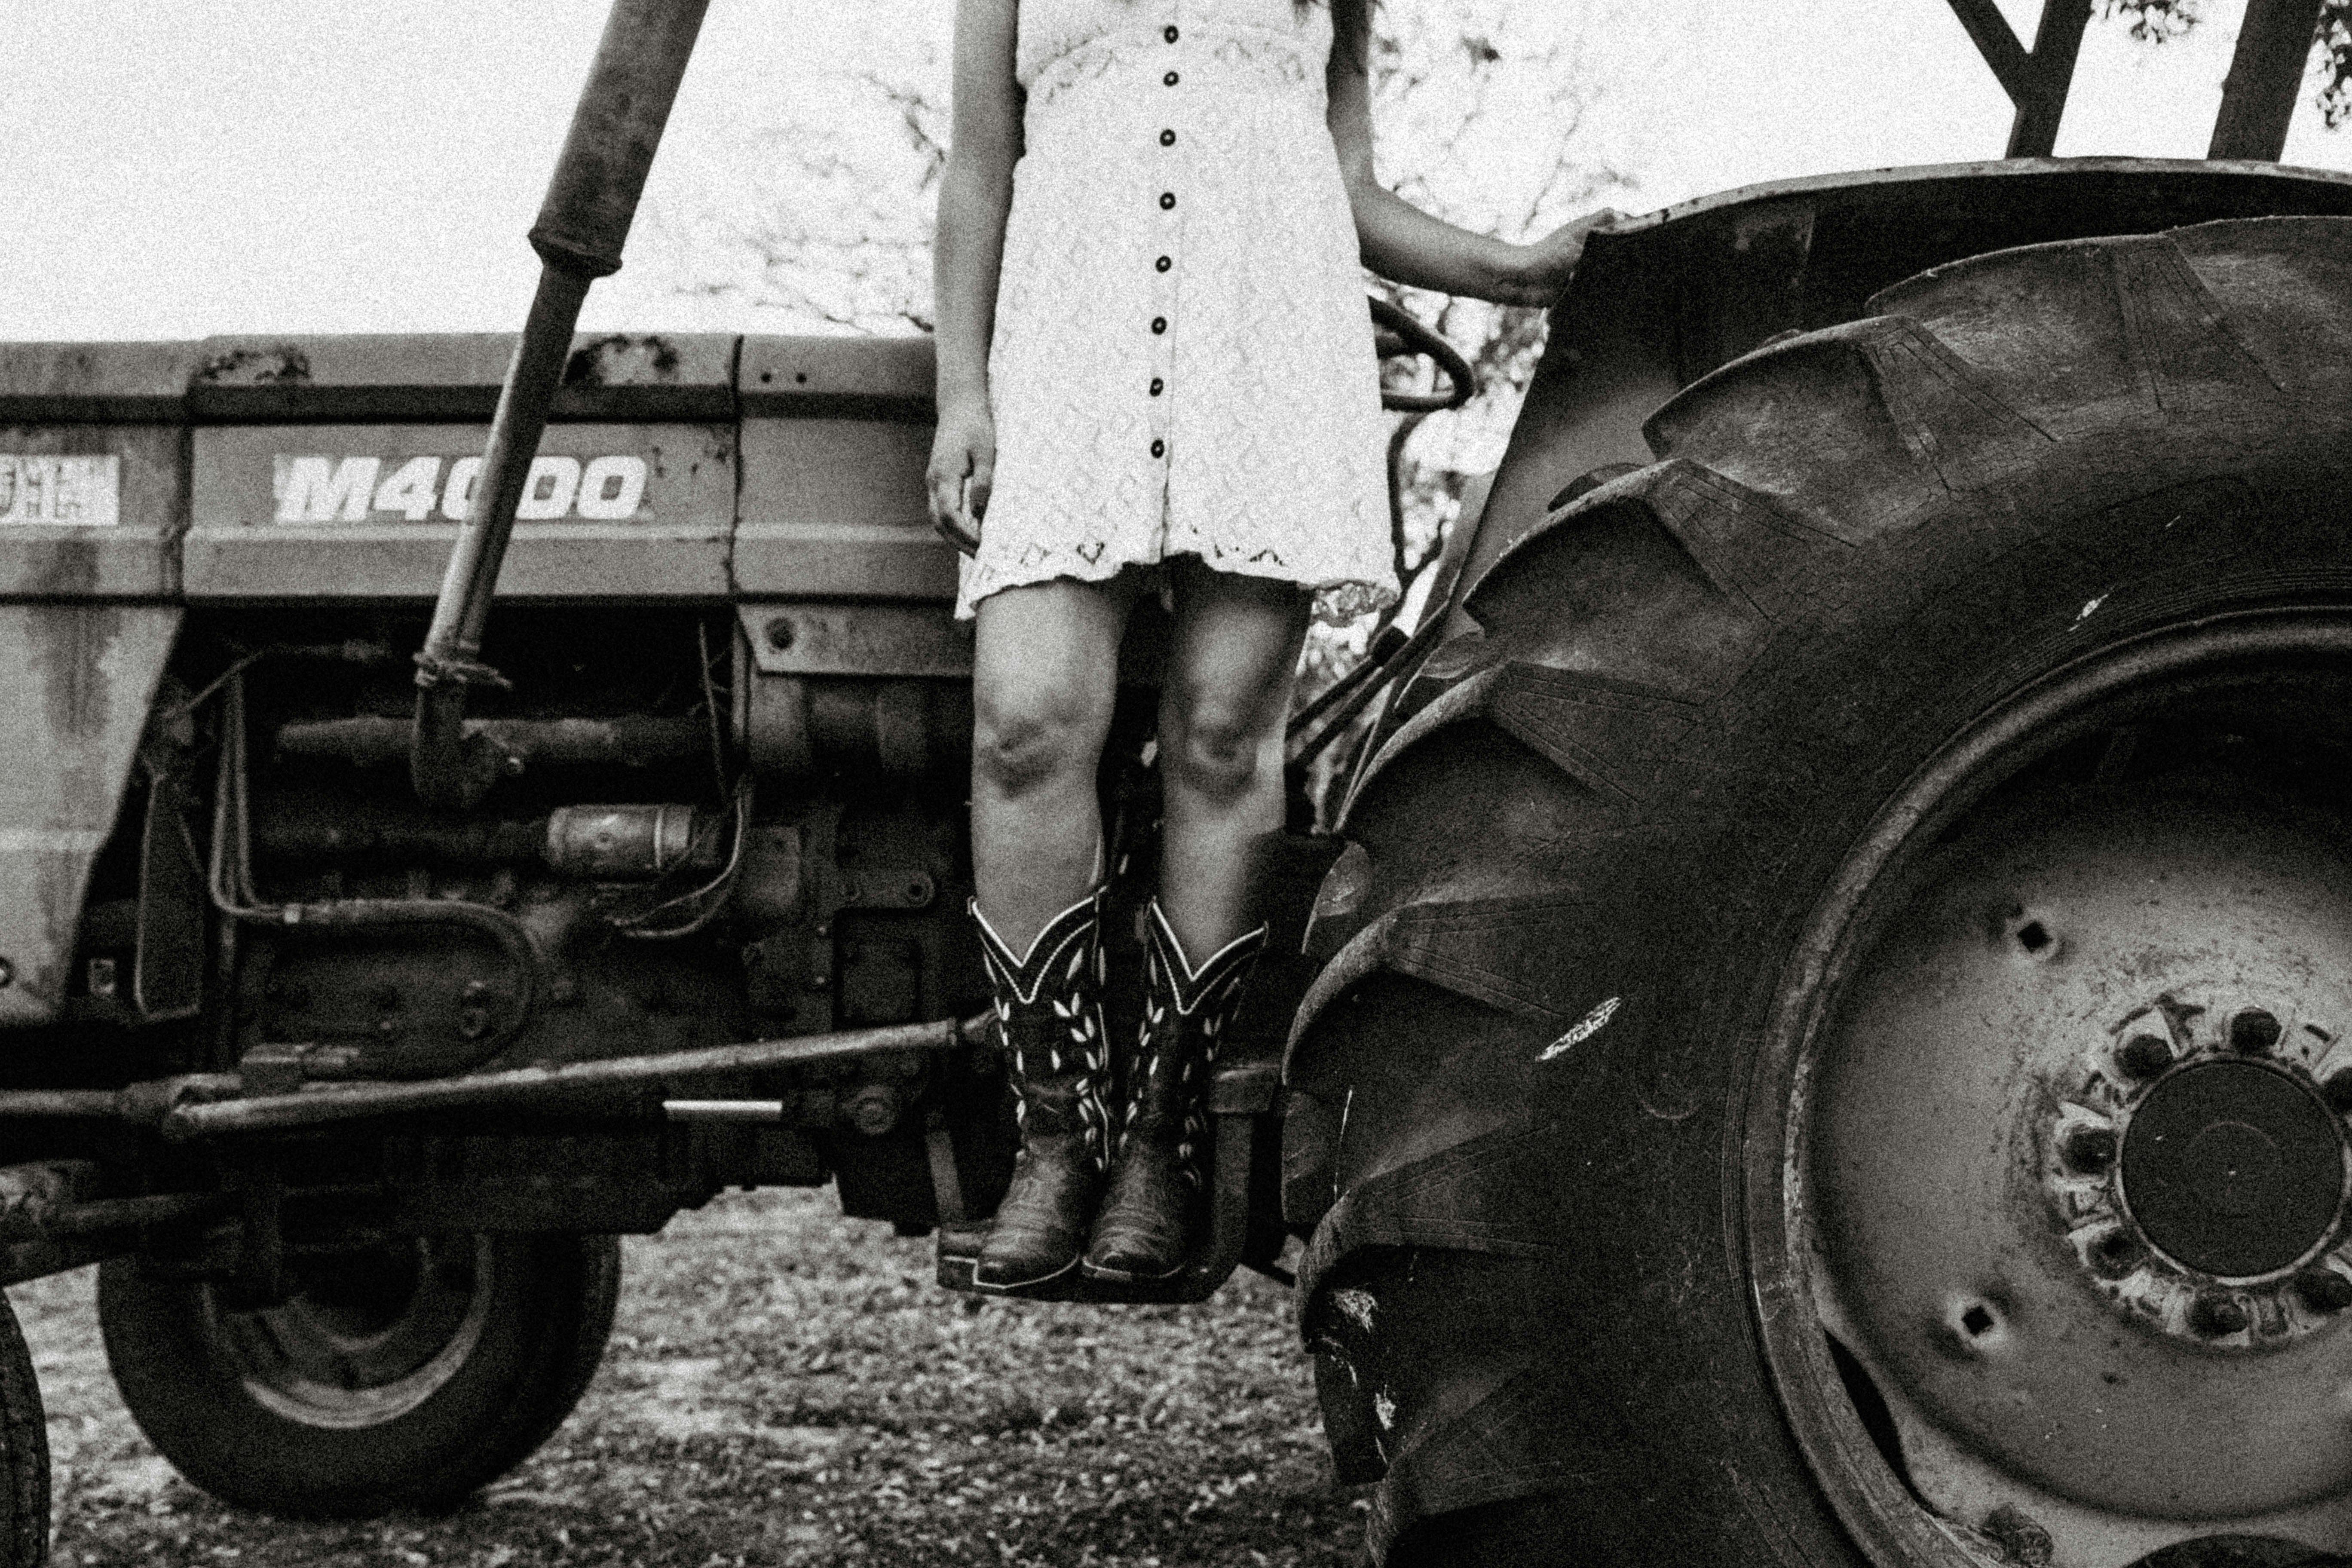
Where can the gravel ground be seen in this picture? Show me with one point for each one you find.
(788, 1387)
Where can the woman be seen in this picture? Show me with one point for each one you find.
(1155, 371)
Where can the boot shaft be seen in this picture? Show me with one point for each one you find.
(1049, 1011)
(1186, 1011)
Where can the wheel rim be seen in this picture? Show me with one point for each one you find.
(2031, 1290)
(364, 1340)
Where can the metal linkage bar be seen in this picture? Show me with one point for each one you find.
(582, 227)
(326, 1103)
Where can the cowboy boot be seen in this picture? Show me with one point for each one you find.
(1157, 1183)
(1049, 1009)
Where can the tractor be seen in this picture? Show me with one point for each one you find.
(1819, 1032)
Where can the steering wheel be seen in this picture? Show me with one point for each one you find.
(1396, 331)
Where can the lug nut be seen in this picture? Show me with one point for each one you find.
(2323, 1290)
(2214, 1314)
(2145, 1056)
(781, 631)
(873, 1109)
(2338, 1090)
(2253, 1032)
(2115, 1255)
(2089, 1150)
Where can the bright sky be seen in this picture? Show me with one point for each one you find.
(178, 167)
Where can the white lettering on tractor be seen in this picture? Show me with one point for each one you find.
(459, 496)
(62, 491)
(548, 492)
(322, 488)
(611, 488)
(409, 489)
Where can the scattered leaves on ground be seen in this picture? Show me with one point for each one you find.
(786, 1387)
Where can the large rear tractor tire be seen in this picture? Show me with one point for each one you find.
(406, 1378)
(1836, 1041)
(23, 1452)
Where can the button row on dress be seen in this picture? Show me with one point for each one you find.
(1162, 263)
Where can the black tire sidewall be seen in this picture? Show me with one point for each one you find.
(23, 1452)
(1984, 597)
(549, 1312)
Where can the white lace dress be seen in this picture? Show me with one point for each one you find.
(1182, 361)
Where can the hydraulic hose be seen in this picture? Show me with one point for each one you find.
(230, 882)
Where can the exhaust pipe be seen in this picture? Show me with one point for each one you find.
(580, 228)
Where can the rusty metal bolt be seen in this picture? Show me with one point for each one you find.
(7, 974)
(779, 631)
(2089, 1150)
(2215, 1313)
(2145, 1056)
(2253, 1032)
(873, 1109)
(2338, 1090)
(2323, 1289)
(2115, 1254)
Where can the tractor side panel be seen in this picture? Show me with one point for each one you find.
(640, 512)
(836, 435)
(81, 678)
(92, 457)
(90, 511)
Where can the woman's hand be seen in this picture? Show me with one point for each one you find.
(1546, 266)
(963, 470)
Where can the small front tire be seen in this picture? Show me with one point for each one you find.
(406, 1377)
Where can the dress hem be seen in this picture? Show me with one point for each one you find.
(1336, 600)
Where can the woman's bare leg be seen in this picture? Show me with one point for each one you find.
(1222, 706)
(1045, 675)
(1231, 657)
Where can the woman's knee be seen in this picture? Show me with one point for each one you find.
(1218, 751)
(1028, 736)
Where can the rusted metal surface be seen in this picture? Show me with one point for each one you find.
(837, 377)
(90, 511)
(616, 126)
(804, 637)
(2078, 1189)
(82, 676)
(631, 741)
(95, 383)
(677, 378)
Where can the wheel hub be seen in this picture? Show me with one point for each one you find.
(2200, 1173)
(2233, 1169)
(2078, 1169)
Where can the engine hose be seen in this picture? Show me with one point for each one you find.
(230, 883)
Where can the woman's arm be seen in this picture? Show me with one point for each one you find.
(975, 192)
(1400, 241)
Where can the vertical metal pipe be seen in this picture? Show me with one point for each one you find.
(2050, 71)
(2265, 73)
(578, 235)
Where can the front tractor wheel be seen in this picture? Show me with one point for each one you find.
(405, 1377)
(1873, 1089)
